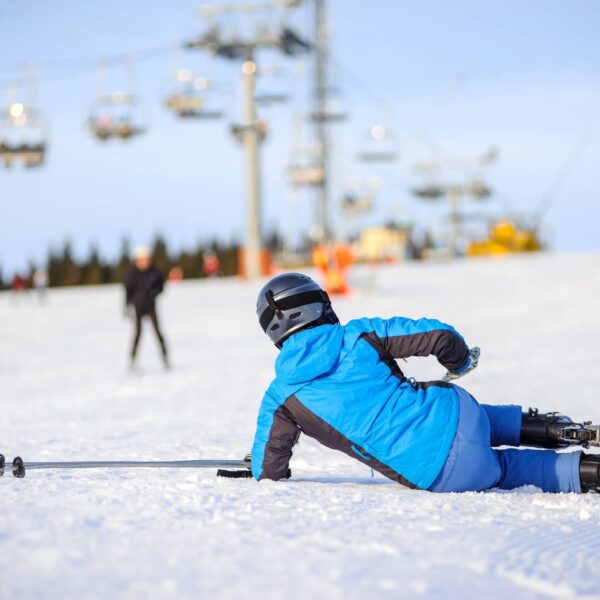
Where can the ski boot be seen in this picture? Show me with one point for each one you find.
(553, 430)
(589, 472)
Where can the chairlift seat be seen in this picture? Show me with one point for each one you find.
(380, 156)
(273, 98)
(328, 117)
(201, 114)
(184, 102)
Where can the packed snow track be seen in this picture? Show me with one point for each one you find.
(332, 530)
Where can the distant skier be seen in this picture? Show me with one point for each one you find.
(40, 283)
(211, 265)
(341, 385)
(19, 286)
(142, 285)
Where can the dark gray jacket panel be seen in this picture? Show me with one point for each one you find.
(449, 348)
(283, 436)
(315, 427)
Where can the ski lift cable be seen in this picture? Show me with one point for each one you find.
(435, 110)
(76, 67)
(360, 85)
(216, 10)
(573, 157)
(382, 104)
(73, 68)
(416, 131)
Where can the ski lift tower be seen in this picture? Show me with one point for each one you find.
(251, 131)
(320, 116)
(473, 187)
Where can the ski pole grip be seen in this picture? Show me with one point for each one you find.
(234, 474)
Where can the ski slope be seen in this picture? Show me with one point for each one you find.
(331, 531)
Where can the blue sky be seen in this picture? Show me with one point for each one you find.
(519, 75)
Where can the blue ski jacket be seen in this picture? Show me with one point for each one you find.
(341, 385)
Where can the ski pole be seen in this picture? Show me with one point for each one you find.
(19, 467)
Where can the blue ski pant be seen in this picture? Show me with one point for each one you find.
(474, 464)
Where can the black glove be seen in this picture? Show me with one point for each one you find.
(240, 474)
(472, 362)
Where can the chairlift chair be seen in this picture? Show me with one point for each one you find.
(478, 190)
(354, 204)
(429, 192)
(190, 95)
(192, 105)
(184, 104)
(238, 131)
(266, 95)
(333, 113)
(30, 155)
(23, 136)
(379, 147)
(113, 116)
(309, 174)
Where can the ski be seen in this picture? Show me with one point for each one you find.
(19, 467)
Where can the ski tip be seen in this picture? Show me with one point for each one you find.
(2, 464)
(18, 467)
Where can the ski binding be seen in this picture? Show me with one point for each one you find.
(584, 434)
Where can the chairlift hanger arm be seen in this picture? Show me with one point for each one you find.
(285, 40)
(214, 10)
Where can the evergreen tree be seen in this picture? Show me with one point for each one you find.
(70, 271)
(228, 257)
(191, 264)
(63, 269)
(92, 271)
(53, 266)
(160, 254)
(30, 271)
(274, 242)
(124, 264)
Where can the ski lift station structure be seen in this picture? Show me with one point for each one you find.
(235, 46)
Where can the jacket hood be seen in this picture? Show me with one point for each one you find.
(309, 354)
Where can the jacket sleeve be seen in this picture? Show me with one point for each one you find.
(157, 285)
(129, 283)
(276, 434)
(407, 337)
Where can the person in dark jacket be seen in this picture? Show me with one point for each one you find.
(341, 385)
(142, 286)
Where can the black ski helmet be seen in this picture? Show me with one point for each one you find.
(291, 302)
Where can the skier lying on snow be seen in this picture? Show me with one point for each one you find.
(341, 385)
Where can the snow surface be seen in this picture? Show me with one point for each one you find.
(332, 530)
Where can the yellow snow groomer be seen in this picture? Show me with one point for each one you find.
(506, 238)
